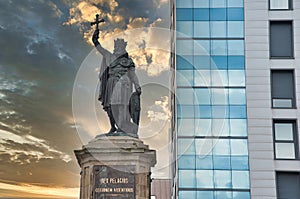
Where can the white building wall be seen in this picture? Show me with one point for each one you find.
(260, 113)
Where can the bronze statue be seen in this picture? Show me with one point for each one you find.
(117, 77)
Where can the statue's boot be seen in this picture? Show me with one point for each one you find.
(113, 128)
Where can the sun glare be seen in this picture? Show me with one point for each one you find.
(42, 192)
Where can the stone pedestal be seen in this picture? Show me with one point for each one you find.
(115, 167)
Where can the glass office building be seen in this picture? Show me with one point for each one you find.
(236, 99)
(209, 109)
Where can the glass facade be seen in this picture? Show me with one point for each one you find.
(212, 148)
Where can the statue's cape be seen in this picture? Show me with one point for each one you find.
(103, 77)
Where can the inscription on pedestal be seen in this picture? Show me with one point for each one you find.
(117, 182)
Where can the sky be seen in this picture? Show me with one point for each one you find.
(48, 87)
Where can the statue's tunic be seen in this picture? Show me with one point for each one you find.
(121, 76)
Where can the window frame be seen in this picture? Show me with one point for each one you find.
(292, 40)
(295, 137)
(290, 4)
(294, 100)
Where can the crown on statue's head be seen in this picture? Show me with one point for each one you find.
(120, 43)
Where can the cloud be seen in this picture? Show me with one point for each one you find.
(25, 149)
(41, 191)
(160, 110)
(121, 19)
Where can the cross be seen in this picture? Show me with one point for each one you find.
(97, 21)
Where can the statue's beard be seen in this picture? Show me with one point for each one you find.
(119, 53)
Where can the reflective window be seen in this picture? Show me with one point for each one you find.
(237, 112)
(235, 3)
(184, 47)
(184, 14)
(235, 14)
(202, 78)
(221, 147)
(201, 3)
(201, 47)
(219, 47)
(186, 194)
(202, 62)
(204, 162)
(219, 62)
(186, 147)
(238, 127)
(203, 111)
(219, 96)
(221, 162)
(239, 162)
(218, 29)
(223, 194)
(219, 78)
(205, 194)
(218, 14)
(184, 62)
(222, 179)
(240, 180)
(240, 195)
(204, 147)
(185, 77)
(280, 4)
(187, 178)
(218, 3)
(201, 29)
(235, 29)
(205, 179)
(186, 162)
(239, 147)
(220, 112)
(184, 28)
(184, 3)
(236, 77)
(284, 131)
(220, 127)
(201, 14)
(237, 96)
(285, 138)
(285, 150)
(185, 111)
(202, 127)
(236, 62)
(236, 47)
(202, 96)
(185, 127)
(185, 96)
